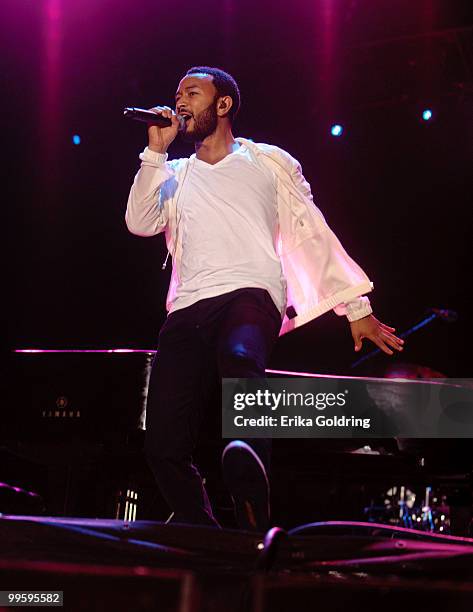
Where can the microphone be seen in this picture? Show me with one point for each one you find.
(450, 316)
(146, 116)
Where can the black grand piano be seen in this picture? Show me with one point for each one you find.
(72, 432)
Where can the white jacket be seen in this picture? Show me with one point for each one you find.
(320, 274)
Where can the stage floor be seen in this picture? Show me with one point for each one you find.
(144, 565)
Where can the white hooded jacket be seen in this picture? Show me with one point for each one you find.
(320, 275)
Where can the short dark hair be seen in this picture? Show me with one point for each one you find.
(224, 83)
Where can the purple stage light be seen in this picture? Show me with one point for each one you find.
(117, 350)
(52, 58)
(4, 485)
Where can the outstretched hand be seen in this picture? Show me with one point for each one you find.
(379, 333)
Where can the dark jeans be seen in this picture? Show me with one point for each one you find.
(228, 336)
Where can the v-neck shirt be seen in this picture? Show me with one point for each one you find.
(229, 224)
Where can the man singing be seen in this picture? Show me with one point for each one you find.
(252, 258)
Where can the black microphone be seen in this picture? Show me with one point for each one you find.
(450, 316)
(147, 116)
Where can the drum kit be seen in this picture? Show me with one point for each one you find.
(427, 509)
(399, 506)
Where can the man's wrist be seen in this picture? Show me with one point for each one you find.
(156, 149)
(360, 319)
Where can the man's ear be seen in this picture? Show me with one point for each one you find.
(224, 105)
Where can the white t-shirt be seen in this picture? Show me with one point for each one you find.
(229, 225)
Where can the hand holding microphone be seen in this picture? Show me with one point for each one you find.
(163, 125)
(159, 138)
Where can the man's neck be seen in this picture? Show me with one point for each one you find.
(217, 146)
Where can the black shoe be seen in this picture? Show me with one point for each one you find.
(246, 478)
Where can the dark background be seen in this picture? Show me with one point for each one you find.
(396, 190)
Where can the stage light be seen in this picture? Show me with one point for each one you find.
(427, 114)
(76, 139)
(336, 130)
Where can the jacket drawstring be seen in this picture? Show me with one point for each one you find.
(163, 267)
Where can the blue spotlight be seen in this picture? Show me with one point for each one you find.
(427, 114)
(336, 130)
(76, 139)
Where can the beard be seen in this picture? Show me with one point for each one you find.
(205, 124)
